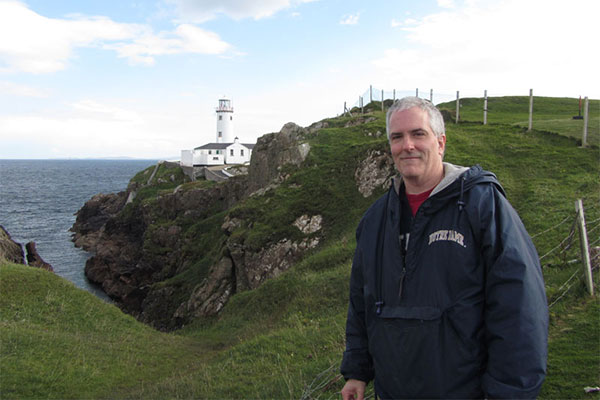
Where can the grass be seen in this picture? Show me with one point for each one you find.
(60, 342)
(285, 339)
(549, 114)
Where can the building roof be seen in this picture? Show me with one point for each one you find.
(222, 146)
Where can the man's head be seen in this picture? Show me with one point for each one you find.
(417, 142)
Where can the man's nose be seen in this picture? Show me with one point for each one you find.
(408, 144)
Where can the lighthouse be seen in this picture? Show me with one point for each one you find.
(227, 149)
(224, 121)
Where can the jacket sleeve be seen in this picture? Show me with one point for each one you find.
(357, 362)
(516, 310)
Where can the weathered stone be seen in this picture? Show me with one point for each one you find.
(209, 297)
(274, 150)
(10, 250)
(375, 171)
(308, 225)
(230, 225)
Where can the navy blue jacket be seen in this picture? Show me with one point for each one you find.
(463, 314)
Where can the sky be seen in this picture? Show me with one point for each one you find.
(141, 79)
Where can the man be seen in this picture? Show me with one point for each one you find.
(447, 297)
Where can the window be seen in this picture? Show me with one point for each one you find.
(231, 118)
(220, 117)
(242, 152)
(210, 152)
(231, 152)
(220, 134)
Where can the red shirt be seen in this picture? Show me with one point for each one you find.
(415, 200)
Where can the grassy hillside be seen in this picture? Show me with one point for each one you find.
(285, 339)
(549, 114)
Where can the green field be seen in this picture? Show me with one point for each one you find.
(286, 338)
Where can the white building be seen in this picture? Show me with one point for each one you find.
(226, 149)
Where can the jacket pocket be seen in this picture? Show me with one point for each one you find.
(407, 354)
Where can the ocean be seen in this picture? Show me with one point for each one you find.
(39, 199)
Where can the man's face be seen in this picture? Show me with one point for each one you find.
(416, 151)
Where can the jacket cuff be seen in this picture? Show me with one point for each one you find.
(357, 365)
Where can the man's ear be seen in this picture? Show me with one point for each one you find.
(442, 144)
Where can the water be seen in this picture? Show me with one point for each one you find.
(39, 199)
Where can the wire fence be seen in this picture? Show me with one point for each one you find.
(577, 118)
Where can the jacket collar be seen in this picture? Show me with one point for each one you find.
(451, 173)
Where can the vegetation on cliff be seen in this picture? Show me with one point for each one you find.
(284, 338)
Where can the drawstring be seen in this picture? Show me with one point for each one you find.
(380, 242)
(461, 204)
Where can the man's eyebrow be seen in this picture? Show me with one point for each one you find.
(411, 131)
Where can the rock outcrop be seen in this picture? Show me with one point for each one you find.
(375, 171)
(34, 259)
(272, 152)
(10, 250)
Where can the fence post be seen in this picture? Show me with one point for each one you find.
(431, 95)
(530, 110)
(394, 100)
(457, 106)
(370, 93)
(585, 252)
(417, 93)
(485, 107)
(585, 122)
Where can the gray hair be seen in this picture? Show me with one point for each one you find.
(436, 121)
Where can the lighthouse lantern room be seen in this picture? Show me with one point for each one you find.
(224, 121)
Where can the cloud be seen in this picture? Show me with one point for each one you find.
(10, 88)
(202, 11)
(184, 39)
(481, 44)
(44, 45)
(446, 3)
(351, 19)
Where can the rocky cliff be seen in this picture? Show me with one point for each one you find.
(169, 251)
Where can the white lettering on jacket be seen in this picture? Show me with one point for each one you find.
(447, 235)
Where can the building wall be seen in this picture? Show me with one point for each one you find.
(209, 157)
(225, 126)
(187, 158)
(237, 153)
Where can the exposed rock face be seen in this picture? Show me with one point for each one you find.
(10, 250)
(209, 297)
(34, 259)
(92, 217)
(273, 151)
(308, 224)
(375, 171)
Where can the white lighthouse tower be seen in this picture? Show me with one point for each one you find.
(225, 121)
